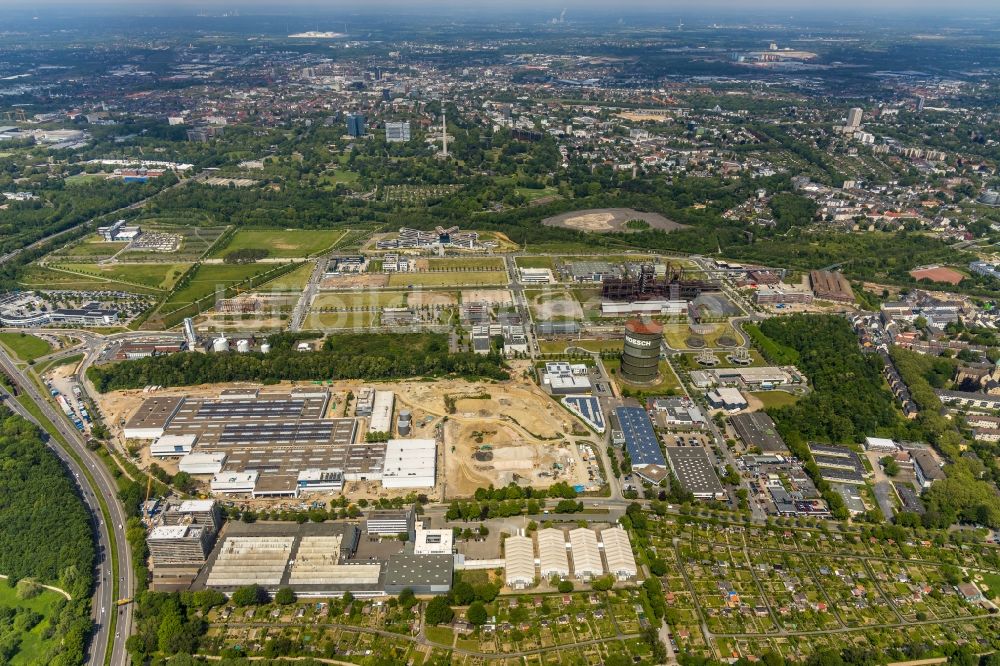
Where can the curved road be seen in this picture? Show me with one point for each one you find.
(99, 481)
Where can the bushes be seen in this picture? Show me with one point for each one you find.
(438, 611)
(249, 595)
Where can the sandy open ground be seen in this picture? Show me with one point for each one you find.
(526, 433)
(938, 274)
(608, 219)
(554, 306)
(489, 296)
(417, 298)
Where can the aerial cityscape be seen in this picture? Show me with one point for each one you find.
(499, 333)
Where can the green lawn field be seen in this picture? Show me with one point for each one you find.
(208, 277)
(282, 243)
(292, 281)
(33, 643)
(157, 276)
(536, 262)
(775, 398)
(25, 347)
(465, 264)
(322, 321)
(38, 277)
(365, 299)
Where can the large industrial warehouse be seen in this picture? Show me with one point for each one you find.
(635, 431)
(554, 551)
(321, 559)
(279, 444)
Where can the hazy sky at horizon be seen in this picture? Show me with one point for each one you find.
(471, 6)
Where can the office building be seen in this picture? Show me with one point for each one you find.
(433, 542)
(391, 522)
(562, 378)
(205, 513)
(179, 544)
(356, 125)
(397, 132)
(729, 399)
(854, 118)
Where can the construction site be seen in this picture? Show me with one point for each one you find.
(290, 440)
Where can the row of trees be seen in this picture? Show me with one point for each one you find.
(369, 357)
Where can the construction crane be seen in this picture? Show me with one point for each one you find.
(149, 488)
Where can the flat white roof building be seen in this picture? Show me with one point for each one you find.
(237, 483)
(587, 561)
(433, 542)
(536, 275)
(169, 446)
(320, 480)
(552, 556)
(729, 399)
(880, 444)
(618, 553)
(563, 378)
(519, 562)
(409, 463)
(202, 463)
(381, 418)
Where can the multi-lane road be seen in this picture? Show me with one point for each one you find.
(94, 481)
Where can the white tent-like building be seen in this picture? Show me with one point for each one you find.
(587, 562)
(552, 556)
(618, 553)
(519, 562)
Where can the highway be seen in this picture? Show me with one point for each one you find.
(99, 481)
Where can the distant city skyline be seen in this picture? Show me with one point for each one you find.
(695, 7)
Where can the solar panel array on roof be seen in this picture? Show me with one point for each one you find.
(230, 409)
(640, 439)
(288, 432)
(588, 407)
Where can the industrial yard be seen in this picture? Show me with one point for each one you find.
(491, 434)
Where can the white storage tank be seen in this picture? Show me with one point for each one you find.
(220, 344)
(243, 346)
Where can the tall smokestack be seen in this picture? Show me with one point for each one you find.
(444, 133)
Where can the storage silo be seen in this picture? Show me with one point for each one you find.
(641, 351)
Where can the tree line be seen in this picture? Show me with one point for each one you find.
(45, 533)
(353, 356)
